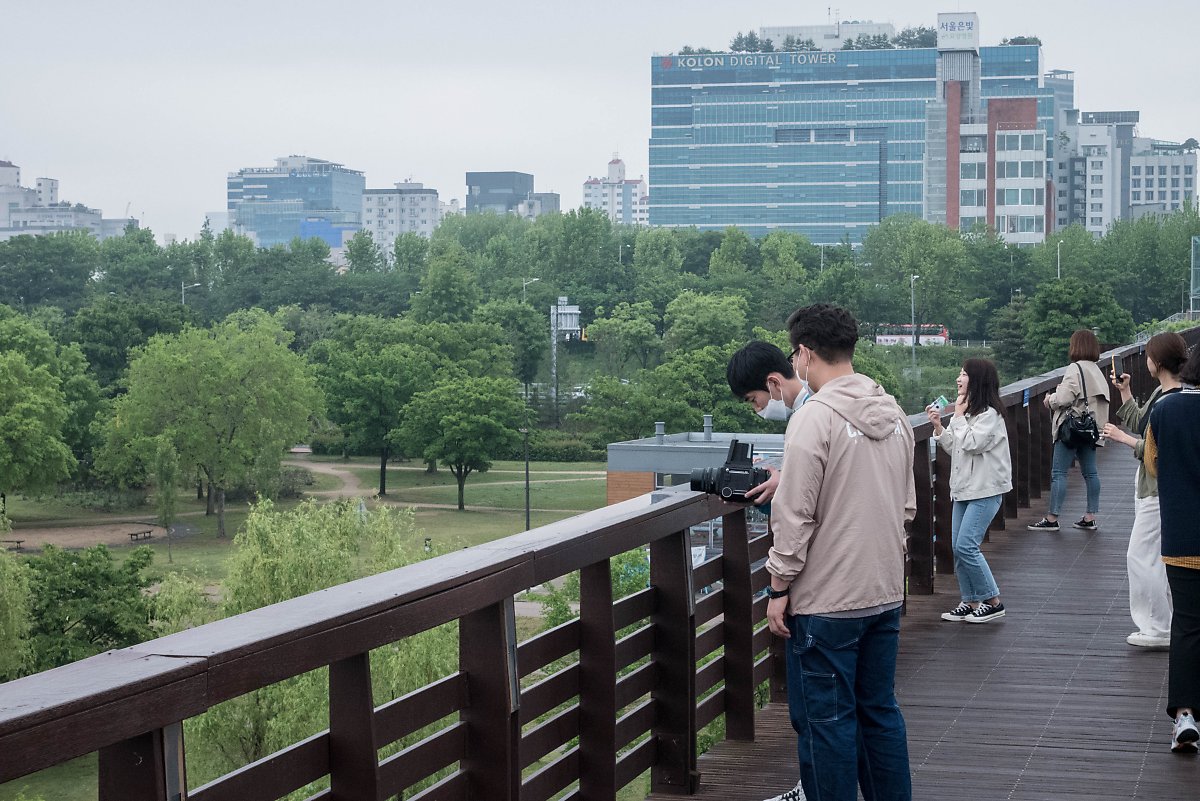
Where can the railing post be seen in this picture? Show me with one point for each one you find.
(149, 767)
(1021, 456)
(487, 654)
(1011, 428)
(1046, 446)
(1038, 433)
(943, 508)
(674, 621)
(353, 754)
(597, 684)
(920, 543)
(739, 628)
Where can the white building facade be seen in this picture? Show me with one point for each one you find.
(1162, 177)
(623, 200)
(408, 208)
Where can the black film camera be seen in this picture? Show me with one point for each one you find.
(732, 479)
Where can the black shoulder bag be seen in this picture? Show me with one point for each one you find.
(1079, 429)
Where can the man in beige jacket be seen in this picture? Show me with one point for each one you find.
(837, 566)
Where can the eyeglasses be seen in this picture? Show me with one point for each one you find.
(796, 352)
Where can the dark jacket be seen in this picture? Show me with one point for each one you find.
(1175, 425)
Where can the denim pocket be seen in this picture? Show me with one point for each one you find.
(820, 697)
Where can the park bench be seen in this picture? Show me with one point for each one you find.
(143, 534)
(15, 545)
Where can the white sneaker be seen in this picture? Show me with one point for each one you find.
(1183, 736)
(1143, 640)
(794, 794)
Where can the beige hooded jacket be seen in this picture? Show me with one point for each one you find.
(845, 493)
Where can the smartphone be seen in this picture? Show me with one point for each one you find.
(1118, 369)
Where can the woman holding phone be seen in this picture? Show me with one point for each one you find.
(1082, 387)
(980, 474)
(1149, 594)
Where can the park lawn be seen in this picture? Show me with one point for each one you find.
(579, 495)
(71, 781)
(450, 529)
(501, 464)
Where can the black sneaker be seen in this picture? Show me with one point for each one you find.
(1086, 525)
(1043, 525)
(986, 613)
(960, 612)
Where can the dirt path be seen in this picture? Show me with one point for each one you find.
(113, 534)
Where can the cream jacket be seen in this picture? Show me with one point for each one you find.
(1069, 395)
(980, 464)
(846, 489)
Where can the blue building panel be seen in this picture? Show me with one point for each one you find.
(820, 143)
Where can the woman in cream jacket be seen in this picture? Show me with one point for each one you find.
(980, 474)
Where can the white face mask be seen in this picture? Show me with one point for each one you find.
(779, 411)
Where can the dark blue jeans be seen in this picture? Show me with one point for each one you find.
(841, 676)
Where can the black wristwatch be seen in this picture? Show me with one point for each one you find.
(774, 593)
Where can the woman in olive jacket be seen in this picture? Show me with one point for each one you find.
(1071, 396)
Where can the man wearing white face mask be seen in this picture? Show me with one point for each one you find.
(761, 375)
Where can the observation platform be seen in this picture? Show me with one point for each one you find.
(1048, 703)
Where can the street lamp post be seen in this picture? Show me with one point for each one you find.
(183, 292)
(1059, 250)
(525, 431)
(526, 283)
(912, 290)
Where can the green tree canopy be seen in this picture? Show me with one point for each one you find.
(230, 399)
(630, 331)
(83, 603)
(33, 412)
(526, 329)
(1060, 308)
(694, 320)
(463, 423)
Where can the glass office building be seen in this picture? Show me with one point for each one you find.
(272, 204)
(827, 144)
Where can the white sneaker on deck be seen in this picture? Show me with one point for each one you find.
(794, 794)
(1143, 640)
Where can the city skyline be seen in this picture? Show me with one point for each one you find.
(179, 98)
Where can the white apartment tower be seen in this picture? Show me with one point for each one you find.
(409, 208)
(624, 200)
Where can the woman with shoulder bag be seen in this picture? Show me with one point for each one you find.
(1149, 595)
(980, 474)
(1082, 392)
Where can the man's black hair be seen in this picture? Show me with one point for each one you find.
(829, 330)
(749, 367)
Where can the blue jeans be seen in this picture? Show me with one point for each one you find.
(1058, 477)
(968, 525)
(841, 675)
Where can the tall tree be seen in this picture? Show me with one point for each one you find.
(630, 331)
(694, 321)
(55, 269)
(230, 399)
(367, 388)
(1059, 308)
(33, 412)
(362, 254)
(465, 424)
(448, 292)
(527, 332)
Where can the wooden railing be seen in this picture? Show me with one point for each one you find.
(697, 650)
(694, 656)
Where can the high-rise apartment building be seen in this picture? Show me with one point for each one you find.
(828, 143)
(408, 208)
(1162, 177)
(270, 204)
(623, 199)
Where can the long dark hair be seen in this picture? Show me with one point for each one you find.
(983, 386)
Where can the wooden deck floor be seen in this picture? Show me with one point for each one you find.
(1049, 703)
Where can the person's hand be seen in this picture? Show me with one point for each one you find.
(1114, 432)
(960, 405)
(1046, 401)
(765, 491)
(777, 617)
(935, 417)
(1121, 382)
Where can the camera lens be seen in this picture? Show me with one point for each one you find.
(704, 480)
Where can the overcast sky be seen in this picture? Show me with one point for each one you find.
(151, 104)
